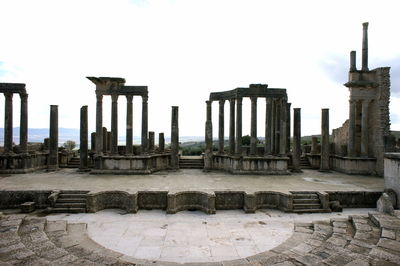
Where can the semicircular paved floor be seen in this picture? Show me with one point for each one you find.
(193, 236)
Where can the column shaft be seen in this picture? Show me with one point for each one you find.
(365, 47)
(238, 148)
(352, 129)
(105, 140)
(93, 141)
(277, 126)
(208, 138)
(253, 126)
(325, 140)
(144, 123)
(296, 140)
(161, 142)
(272, 125)
(221, 129)
(268, 127)
(283, 136)
(83, 153)
(288, 121)
(175, 137)
(99, 124)
(151, 141)
(314, 145)
(364, 128)
(53, 151)
(114, 124)
(129, 125)
(8, 123)
(232, 126)
(23, 127)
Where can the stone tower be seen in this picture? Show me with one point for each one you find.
(368, 127)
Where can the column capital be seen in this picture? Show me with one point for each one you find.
(253, 98)
(239, 100)
(221, 102)
(129, 98)
(232, 101)
(114, 98)
(8, 95)
(99, 97)
(23, 96)
(145, 98)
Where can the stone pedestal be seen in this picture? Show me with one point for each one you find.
(83, 147)
(325, 151)
(174, 138)
(53, 152)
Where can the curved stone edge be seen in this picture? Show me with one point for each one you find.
(111, 199)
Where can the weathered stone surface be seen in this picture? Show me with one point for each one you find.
(384, 204)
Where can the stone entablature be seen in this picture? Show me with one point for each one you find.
(277, 133)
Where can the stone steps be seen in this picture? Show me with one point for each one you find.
(70, 202)
(191, 163)
(307, 202)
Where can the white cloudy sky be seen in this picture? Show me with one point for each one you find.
(184, 49)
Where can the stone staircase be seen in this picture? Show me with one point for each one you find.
(73, 201)
(191, 162)
(304, 163)
(74, 162)
(372, 239)
(306, 202)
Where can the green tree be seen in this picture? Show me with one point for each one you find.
(69, 145)
(246, 140)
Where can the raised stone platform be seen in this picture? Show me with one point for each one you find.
(22, 163)
(353, 165)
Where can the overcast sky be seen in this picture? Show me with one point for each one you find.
(183, 50)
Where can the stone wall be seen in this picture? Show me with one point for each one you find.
(340, 138)
(392, 174)
(22, 163)
(13, 198)
(111, 199)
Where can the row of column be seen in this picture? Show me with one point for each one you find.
(114, 124)
(8, 123)
(277, 126)
(353, 115)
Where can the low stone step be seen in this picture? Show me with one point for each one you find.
(306, 206)
(67, 195)
(70, 205)
(306, 201)
(71, 200)
(310, 210)
(68, 210)
(305, 196)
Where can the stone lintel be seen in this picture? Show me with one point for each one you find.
(12, 87)
(248, 92)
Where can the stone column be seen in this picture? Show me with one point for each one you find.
(288, 121)
(53, 152)
(221, 129)
(129, 125)
(99, 124)
(174, 138)
(268, 127)
(114, 124)
(161, 142)
(232, 126)
(353, 66)
(314, 145)
(105, 140)
(364, 128)
(83, 147)
(351, 145)
(208, 138)
(93, 141)
(151, 141)
(108, 136)
(238, 148)
(253, 126)
(144, 123)
(365, 48)
(277, 126)
(283, 136)
(23, 127)
(296, 140)
(325, 140)
(8, 123)
(272, 125)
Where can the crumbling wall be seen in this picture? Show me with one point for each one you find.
(340, 138)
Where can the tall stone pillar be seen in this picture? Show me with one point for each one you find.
(268, 127)
(232, 126)
(8, 123)
(99, 124)
(114, 124)
(353, 66)
(272, 125)
(351, 145)
(314, 145)
(108, 136)
(364, 128)
(365, 48)
(325, 141)
(161, 142)
(53, 152)
(208, 138)
(175, 138)
(93, 141)
(23, 127)
(253, 126)
(283, 127)
(129, 125)
(144, 123)
(221, 129)
(296, 140)
(288, 121)
(105, 140)
(277, 126)
(151, 141)
(238, 148)
(83, 146)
